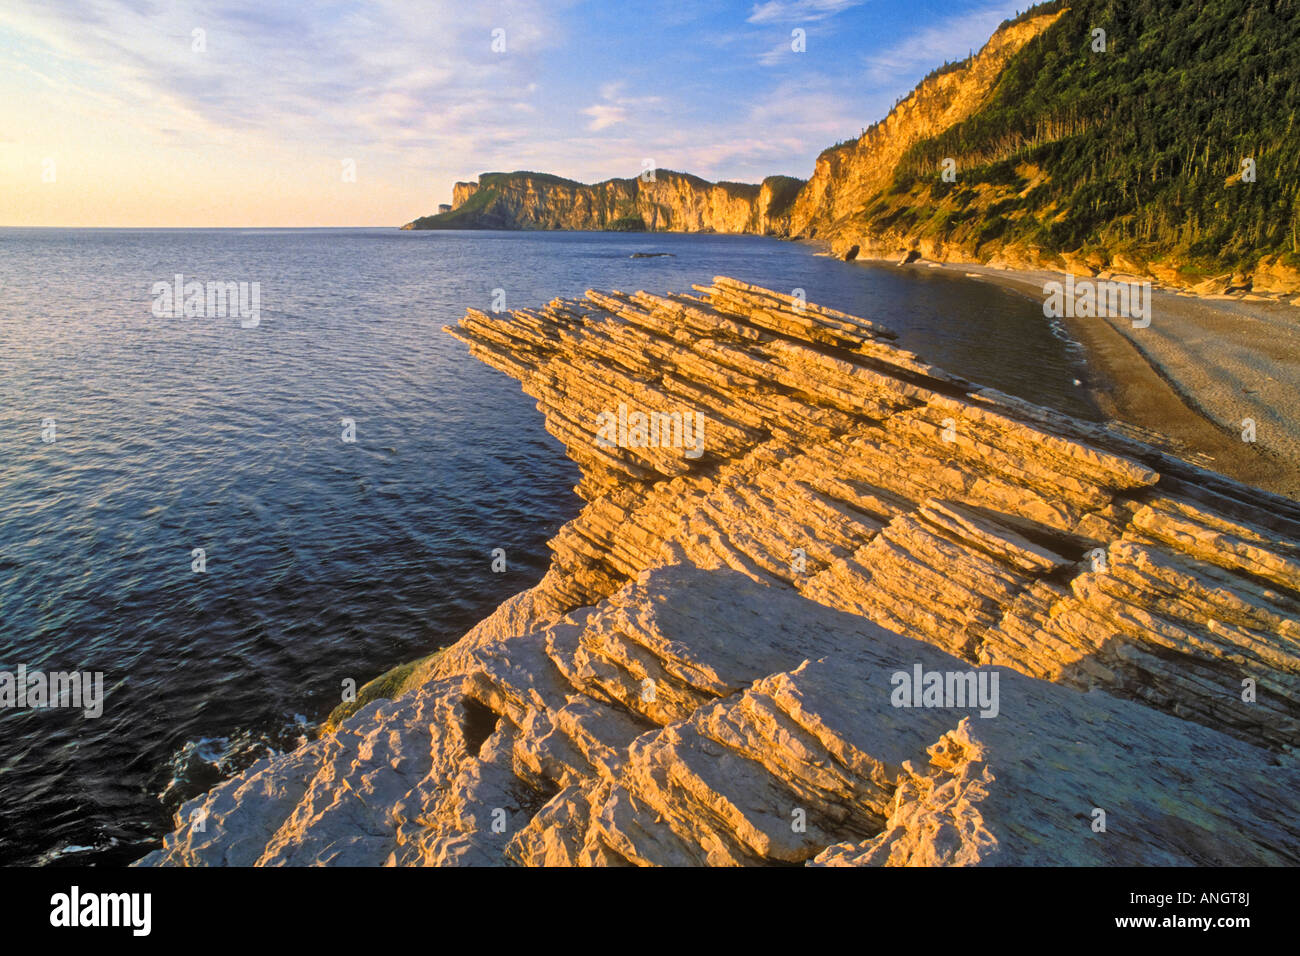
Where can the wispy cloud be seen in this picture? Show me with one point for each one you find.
(150, 126)
(616, 108)
(799, 116)
(779, 55)
(922, 51)
(798, 11)
(277, 70)
(605, 115)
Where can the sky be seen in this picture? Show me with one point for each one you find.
(250, 113)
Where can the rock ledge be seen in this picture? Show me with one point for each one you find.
(708, 673)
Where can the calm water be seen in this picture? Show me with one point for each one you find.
(325, 560)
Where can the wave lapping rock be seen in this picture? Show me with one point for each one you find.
(710, 671)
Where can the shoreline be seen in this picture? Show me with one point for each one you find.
(1189, 375)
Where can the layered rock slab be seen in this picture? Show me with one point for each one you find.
(769, 734)
(868, 480)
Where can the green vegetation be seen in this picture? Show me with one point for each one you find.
(784, 189)
(469, 215)
(1034, 11)
(842, 144)
(496, 179)
(1139, 147)
(387, 686)
(741, 190)
(948, 67)
(475, 212)
(631, 223)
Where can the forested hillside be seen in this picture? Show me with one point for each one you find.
(1137, 148)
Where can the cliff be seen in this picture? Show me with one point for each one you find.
(1088, 140)
(850, 176)
(461, 193)
(1160, 148)
(671, 201)
(846, 176)
(709, 671)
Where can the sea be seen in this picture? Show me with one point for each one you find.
(231, 518)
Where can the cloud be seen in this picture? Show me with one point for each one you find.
(798, 117)
(812, 18)
(604, 115)
(312, 74)
(922, 51)
(617, 108)
(783, 54)
(798, 11)
(418, 98)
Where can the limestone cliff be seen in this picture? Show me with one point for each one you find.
(845, 177)
(852, 174)
(1048, 150)
(461, 193)
(709, 671)
(668, 202)
(1079, 138)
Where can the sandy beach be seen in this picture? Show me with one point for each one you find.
(1202, 366)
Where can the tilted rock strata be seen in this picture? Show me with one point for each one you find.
(1004, 533)
(704, 674)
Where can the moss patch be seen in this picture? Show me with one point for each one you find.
(387, 686)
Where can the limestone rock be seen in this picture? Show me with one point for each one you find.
(707, 672)
(1274, 275)
(772, 736)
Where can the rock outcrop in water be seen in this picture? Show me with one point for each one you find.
(710, 671)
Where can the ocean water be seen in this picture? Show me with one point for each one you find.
(324, 559)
